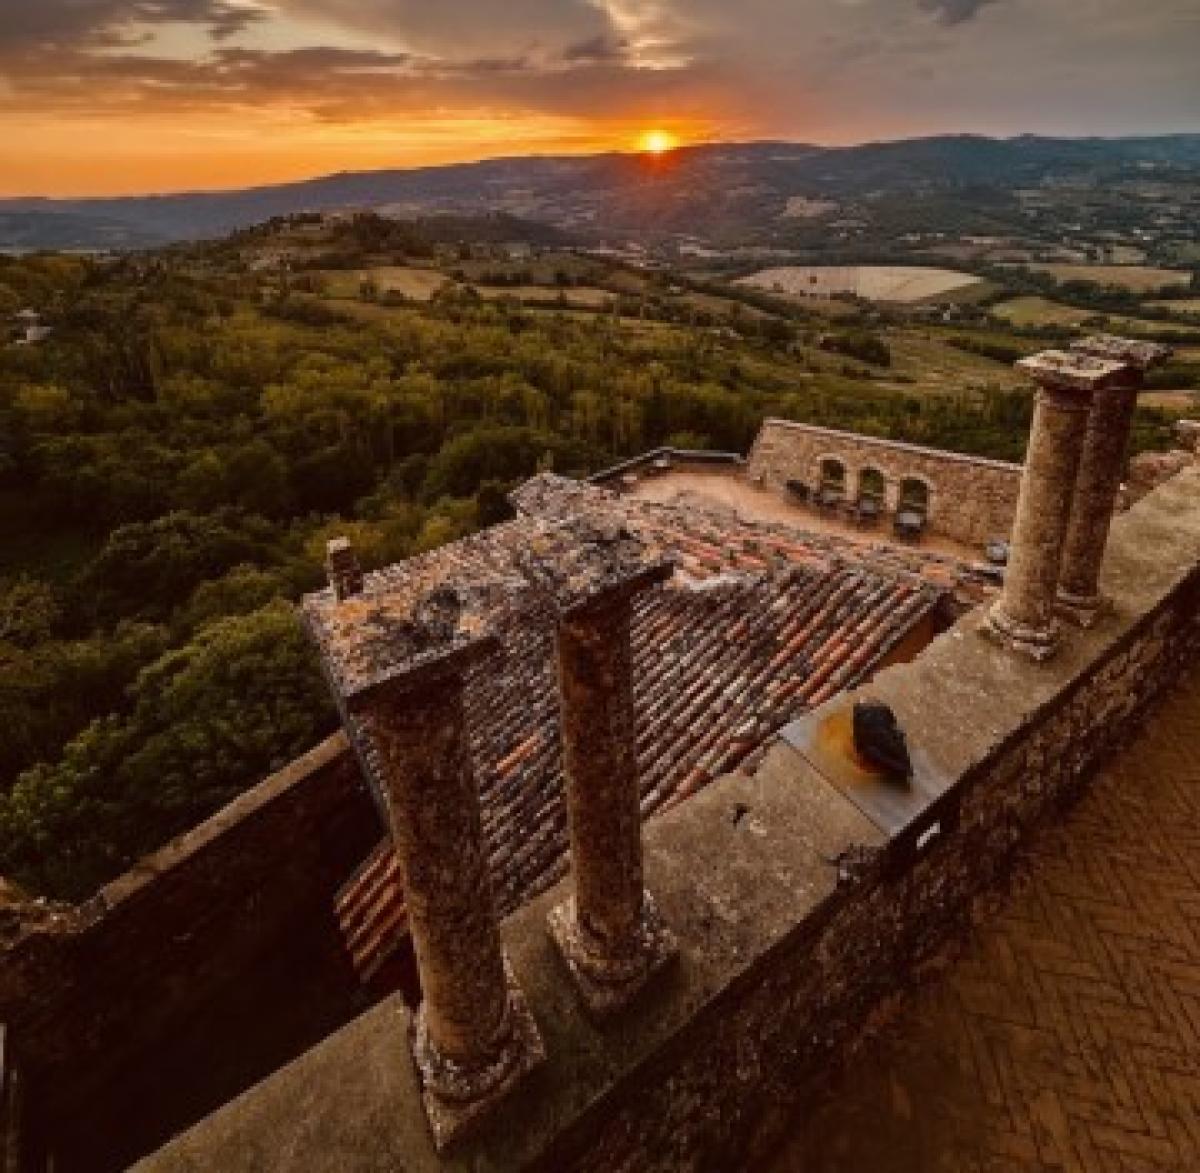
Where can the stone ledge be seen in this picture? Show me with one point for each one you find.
(185, 848)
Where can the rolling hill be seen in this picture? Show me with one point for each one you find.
(733, 193)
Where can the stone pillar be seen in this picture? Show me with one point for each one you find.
(1023, 617)
(400, 671)
(891, 494)
(1101, 466)
(609, 932)
(1100, 469)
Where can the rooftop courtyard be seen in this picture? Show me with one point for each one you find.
(728, 489)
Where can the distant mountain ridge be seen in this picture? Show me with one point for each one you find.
(717, 188)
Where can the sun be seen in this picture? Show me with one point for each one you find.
(657, 142)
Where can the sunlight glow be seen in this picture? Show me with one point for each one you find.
(657, 142)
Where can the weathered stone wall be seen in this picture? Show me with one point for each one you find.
(88, 991)
(970, 499)
(796, 915)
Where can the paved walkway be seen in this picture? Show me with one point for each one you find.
(1066, 1036)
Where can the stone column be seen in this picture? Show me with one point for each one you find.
(1023, 617)
(609, 931)
(401, 674)
(1101, 466)
(891, 494)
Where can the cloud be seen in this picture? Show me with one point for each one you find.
(951, 12)
(98, 24)
(807, 69)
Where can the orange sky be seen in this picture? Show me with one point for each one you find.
(118, 156)
(109, 96)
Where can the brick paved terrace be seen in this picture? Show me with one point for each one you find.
(1066, 1033)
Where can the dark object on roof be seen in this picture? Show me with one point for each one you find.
(879, 739)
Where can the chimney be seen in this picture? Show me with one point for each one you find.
(342, 567)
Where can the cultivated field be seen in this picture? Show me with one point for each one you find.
(803, 208)
(419, 284)
(1040, 311)
(894, 283)
(1180, 402)
(1185, 305)
(580, 297)
(1135, 278)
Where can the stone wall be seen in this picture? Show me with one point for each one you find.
(797, 915)
(969, 499)
(89, 992)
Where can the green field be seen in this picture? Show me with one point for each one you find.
(1041, 311)
(1135, 278)
(417, 284)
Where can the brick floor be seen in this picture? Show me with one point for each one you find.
(1066, 1034)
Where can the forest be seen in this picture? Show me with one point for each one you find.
(175, 454)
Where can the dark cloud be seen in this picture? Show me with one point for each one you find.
(465, 28)
(951, 12)
(602, 48)
(98, 24)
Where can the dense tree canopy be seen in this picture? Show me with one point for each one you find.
(174, 456)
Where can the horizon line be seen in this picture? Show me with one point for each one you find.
(184, 193)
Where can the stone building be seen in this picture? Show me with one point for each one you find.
(598, 874)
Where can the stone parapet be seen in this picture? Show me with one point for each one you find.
(90, 991)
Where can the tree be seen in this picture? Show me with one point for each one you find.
(207, 720)
(30, 611)
(148, 568)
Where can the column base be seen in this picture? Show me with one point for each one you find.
(1033, 643)
(607, 985)
(457, 1096)
(1081, 610)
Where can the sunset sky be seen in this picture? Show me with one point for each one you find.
(106, 96)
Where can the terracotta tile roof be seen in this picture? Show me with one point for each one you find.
(759, 624)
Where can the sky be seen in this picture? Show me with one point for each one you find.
(121, 96)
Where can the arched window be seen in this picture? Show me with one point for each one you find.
(914, 496)
(871, 485)
(833, 475)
